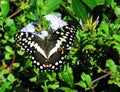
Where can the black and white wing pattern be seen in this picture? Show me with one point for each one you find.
(49, 53)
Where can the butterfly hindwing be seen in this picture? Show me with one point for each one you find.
(48, 53)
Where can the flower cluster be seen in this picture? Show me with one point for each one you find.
(55, 23)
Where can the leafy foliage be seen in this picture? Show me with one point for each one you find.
(93, 63)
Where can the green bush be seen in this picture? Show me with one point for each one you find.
(93, 62)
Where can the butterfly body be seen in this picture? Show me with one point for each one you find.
(50, 52)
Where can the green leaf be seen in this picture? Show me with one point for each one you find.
(4, 86)
(28, 63)
(110, 2)
(24, 6)
(100, 41)
(1, 35)
(111, 65)
(9, 22)
(51, 77)
(11, 78)
(104, 29)
(31, 16)
(4, 71)
(80, 10)
(116, 37)
(89, 47)
(117, 11)
(16, 64)
(20, 52)
(40, 3)
(67, 75)
(87, 79)
(33, 79)
(5, 8)
(66, 89)
(117, 46)
(53, 86)
(10, 25)
(51, 5)
(81, 84)
(8, 56)
(93, 3)
(9, 49)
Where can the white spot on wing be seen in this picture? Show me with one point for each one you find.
(27, 49)
(24, 39)
(62, 33)
(25, 46)
(53, 67)
(21, 34)
(38, 63)
(32, 44)
(44, 65)
(57, 32)
(29, 38)
(62, 58)
(56, 63)
(56, 68)
(41, 67)
(29, 42)
(60, 62)
(34, 61)
(32, 36)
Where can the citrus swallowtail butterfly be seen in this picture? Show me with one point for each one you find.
(50, 52)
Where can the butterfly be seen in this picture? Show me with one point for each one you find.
(49, 53)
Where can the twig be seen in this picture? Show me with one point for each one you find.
(101, 77)
(10, 67)
(15, 13)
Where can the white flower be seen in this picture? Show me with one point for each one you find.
(55, 21)
(50, 17)
(29, 28)
(43, 34)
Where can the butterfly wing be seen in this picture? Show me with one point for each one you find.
(32, 44)
(62, 39)
(64, 36)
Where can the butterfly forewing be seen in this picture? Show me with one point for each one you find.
(64, 36)
(48, 53)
